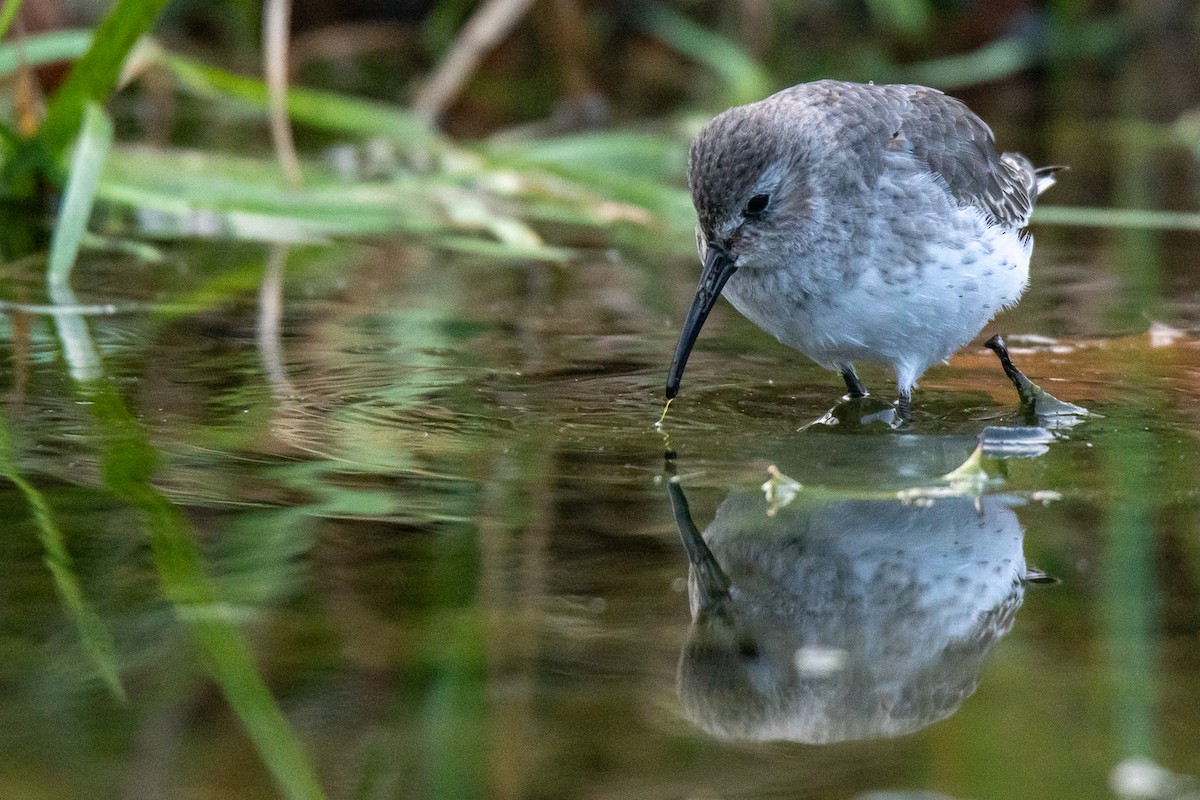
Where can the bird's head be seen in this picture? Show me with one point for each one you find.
(748, 174)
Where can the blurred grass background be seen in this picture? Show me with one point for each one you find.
(522, 128)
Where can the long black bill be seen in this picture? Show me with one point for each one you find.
(718, 266)
(711, 582)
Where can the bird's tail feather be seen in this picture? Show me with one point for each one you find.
(1045, 177)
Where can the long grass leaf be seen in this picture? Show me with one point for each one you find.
(491, 249)
(180, 194)
(1127, 218)
(128, 462)
(7, 15)
(87, 163)
(991, 62)
(96, 638)
(643, 170)
(94, 77)
(651, 156)
(167, 216)
(744, 78)
(43, 48)
(325, 110)
(907, 17)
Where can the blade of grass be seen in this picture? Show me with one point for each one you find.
(325, 110)
(1099, 38)
(128, 461)
(501, 250)
(642, 170)
(87, 163)
(744, 78)
(204, 194)
(1127, 218)
(991, 62)
(647, 155)
(167, 216)
(43, 48)
(94, 77)
(907, 17)
(142, 251)
(55, 309)
(7, 15)
(96, 638)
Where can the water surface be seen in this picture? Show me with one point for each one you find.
(417, 540)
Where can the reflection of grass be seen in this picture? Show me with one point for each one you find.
(128, 462)
(96, 638)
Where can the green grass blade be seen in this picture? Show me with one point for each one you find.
(744, 78)
(325, 110)
(128, 462)
(142, 251)
(650, 156)
(991, 62)
(180, 194)
(1124, 218)
(96, 638)
(94, 77)
(7, 15)
(87, 163)
(907, 17)
(644, 170)
(44, 48)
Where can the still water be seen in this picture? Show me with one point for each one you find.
(399, 524)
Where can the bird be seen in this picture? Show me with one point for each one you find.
(843, 619)
(859, 222)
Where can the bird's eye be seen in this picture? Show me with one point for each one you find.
(758, 204)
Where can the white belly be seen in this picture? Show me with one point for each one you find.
(908, 320)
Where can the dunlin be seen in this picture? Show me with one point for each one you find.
(859, 223)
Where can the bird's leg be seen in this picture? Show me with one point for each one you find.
(903, 406)
(1025, 387)
(854, 386)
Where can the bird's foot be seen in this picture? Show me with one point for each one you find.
(854, 413)
(855, 389)
(903, 409)
(1034, 399)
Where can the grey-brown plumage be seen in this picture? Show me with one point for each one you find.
(860, 222)
(836, 620)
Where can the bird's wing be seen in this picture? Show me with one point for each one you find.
(956, 144)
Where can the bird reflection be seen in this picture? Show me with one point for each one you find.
(836, 620)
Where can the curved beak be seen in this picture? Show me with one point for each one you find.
(718, 266)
